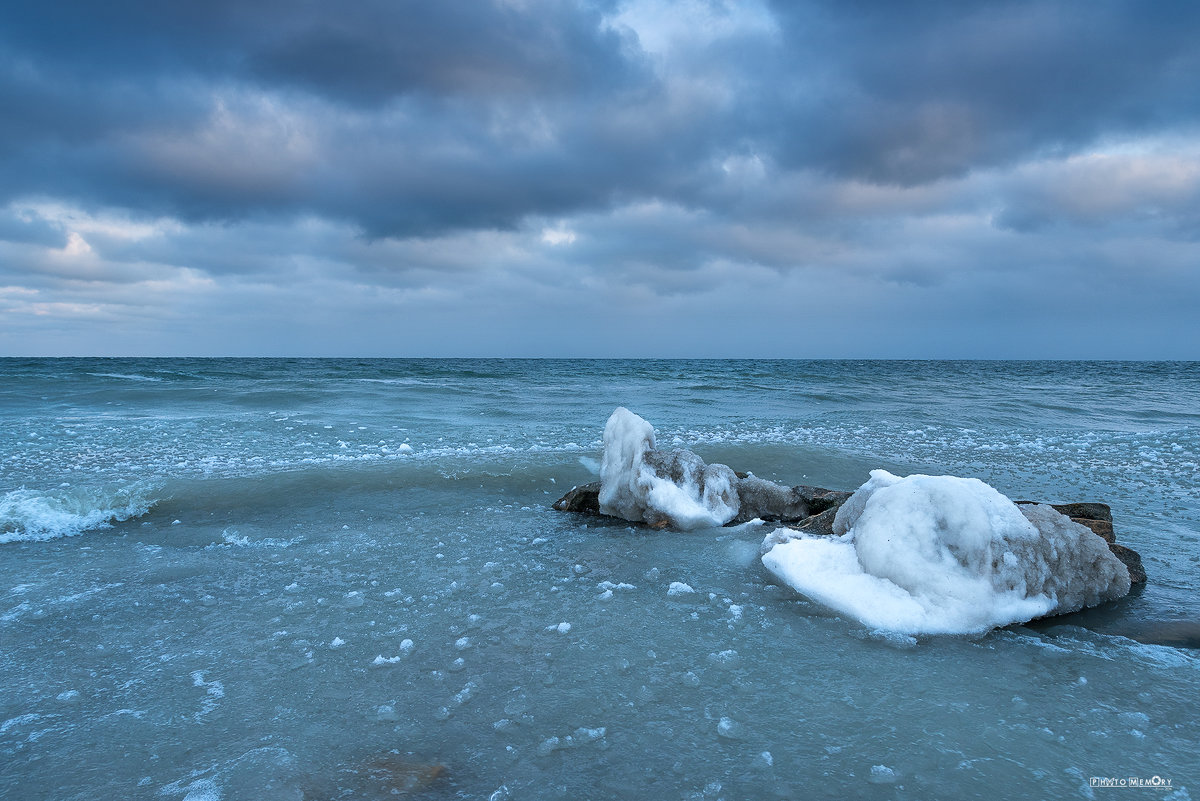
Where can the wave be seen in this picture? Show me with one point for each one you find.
(38, 515)
(127, 376)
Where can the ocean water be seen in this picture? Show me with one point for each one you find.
(335, 579)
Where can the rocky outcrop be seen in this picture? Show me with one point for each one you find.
(1098, 518)
(1061, 557)
(1132, 561)
(812, 509)
(584, 500)
(776, 503)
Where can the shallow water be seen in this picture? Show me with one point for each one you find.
(280, 528)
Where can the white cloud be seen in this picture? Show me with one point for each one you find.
(558, 236)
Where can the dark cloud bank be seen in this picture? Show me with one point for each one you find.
(530, 177)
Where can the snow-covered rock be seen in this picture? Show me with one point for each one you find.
(676, 488)
(941, 554)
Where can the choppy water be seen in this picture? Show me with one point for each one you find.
(280, 579)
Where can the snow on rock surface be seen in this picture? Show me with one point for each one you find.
(674, 488)
(946, 555)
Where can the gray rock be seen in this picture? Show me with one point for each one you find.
(1132, 561)
(819, 524)
(1083, 571)
(770, 501)
(584, 500)
(811, 510)
(1098, 517)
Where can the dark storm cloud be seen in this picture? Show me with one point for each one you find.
(414, 110)
(912, 92)
(862, 178)
(414, 119)
(365, 52)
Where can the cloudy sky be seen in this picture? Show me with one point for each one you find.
(629, 178)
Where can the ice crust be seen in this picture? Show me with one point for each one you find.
(946, 555)
(646, 485)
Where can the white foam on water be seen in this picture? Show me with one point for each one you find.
(203, 790)
(231, 537)
(19, 720)
(946, 555)
(127, 376)
(387, 660)
(609, 586)
(38, 515)
(266, 772)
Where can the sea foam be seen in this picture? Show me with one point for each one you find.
(946, 555)
(35, 515)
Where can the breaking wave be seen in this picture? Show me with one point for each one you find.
(37, 515)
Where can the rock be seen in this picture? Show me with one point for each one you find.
(676, 489)
(711, 486)
(1088, 511)
(1132, 561)
(1085, 511)
(1084, 572)
(819, 524)
(811, 510)
(1103, 528)
(822, 500)
(770, 501)
(776, 503)
(1098, 517)
(642, 484)
(582, 500)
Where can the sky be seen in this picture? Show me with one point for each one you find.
(700, 178)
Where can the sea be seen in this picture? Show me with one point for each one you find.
(343, 579)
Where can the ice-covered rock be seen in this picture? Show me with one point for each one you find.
(770, 501)
(627, 438)
(676, 488)
(940, 554)
(673, 488)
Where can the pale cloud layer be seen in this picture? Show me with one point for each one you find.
(638, 178)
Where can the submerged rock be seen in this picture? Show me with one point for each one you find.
(1175, 633)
